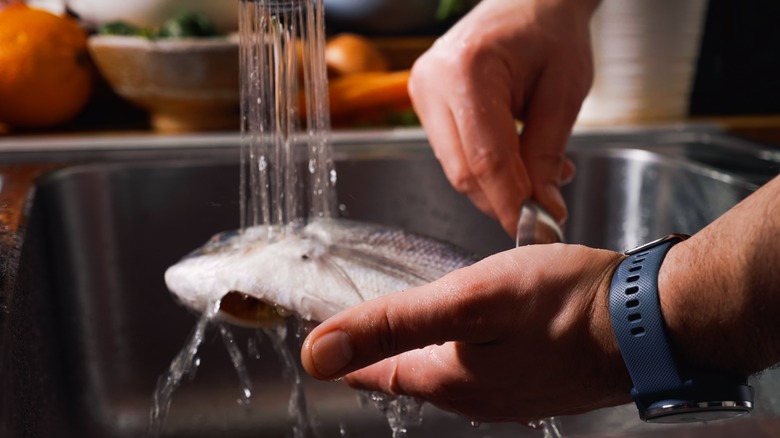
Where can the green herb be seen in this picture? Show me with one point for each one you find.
(449, 9)
(406, 117)
(188, 25)
(125, 29)
(183, 25)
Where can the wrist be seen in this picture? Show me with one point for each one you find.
(620, 384)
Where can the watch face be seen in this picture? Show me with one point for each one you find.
(698, 413)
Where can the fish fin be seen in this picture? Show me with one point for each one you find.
(380, 263)
(341, 274)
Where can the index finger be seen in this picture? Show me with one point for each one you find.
(492, 151)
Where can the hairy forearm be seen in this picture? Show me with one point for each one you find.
(720, 290)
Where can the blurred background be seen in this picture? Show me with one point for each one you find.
(171, 65)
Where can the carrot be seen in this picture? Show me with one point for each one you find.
(366, 96)
(353, 94)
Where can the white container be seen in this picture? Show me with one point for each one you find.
(645, 54)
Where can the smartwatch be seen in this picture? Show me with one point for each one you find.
(665, 389)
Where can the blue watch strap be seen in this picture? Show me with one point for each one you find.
(662, 394)
(637, 321)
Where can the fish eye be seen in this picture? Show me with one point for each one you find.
(305, 257)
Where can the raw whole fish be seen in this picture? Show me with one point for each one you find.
(313, 271)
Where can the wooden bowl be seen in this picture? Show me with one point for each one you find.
(185, 84)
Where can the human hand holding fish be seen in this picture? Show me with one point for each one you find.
(527, 333)
(491, 341)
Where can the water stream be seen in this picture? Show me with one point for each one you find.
(287, 170)
(184, 364)
(287, 173)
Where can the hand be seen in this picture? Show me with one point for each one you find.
(528, 60)
(505, 339)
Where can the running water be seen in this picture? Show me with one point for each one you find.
(401, 411)
(550, 427)
(285, 105)
(287, 173)
(184, 364)
(238, 364)
(297, 407)
(287, 176)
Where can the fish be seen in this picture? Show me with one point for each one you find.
(261, 276)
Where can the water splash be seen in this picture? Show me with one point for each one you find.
(401, 411)
(252, 348)
(551, 427)
(238, 363)
(182, 365)
(297, 407)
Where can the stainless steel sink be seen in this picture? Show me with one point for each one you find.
(87, 324)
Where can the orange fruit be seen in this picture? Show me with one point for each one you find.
(45, 73)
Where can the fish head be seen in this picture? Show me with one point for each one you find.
(258, 277)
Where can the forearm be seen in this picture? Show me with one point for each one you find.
(720, 290)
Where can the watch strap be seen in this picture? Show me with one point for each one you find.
(637, 321)
(662, 394)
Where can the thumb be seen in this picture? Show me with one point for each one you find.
(384, 327)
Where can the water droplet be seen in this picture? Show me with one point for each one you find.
(262, 164)
(312, 165)
(333, 177)
(342, 208)
(475, 424)
(282, 311)
(251, 348)
(238, 363)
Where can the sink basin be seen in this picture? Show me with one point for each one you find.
(88, 325)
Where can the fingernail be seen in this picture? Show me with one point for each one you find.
(331, 352)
